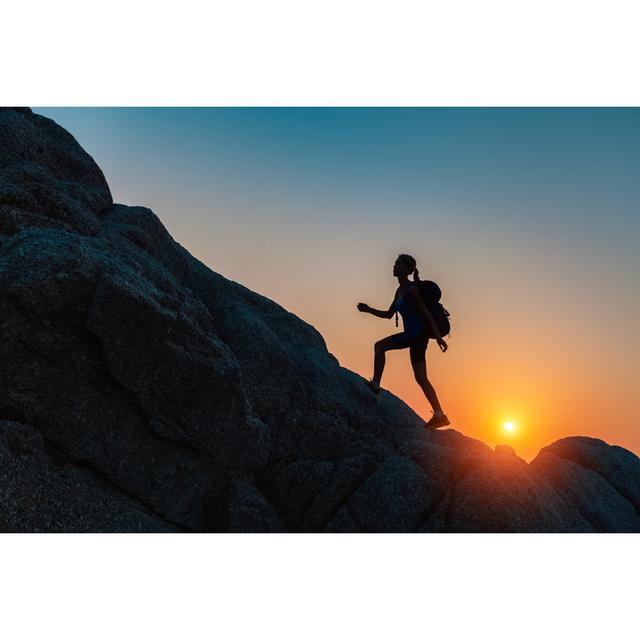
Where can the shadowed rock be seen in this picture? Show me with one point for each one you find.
(601, 481)
(42, 491)
(141, 391)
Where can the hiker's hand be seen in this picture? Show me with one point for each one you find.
(442, 344)
(363, 306)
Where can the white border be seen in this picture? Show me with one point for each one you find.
(334, 52)
(319, 586)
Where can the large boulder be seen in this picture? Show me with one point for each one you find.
(601, 481)
(141, 391)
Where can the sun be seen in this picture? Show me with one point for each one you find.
(509, 427)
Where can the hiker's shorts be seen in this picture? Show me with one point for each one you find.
(416, 341)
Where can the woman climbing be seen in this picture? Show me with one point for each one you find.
(415, 319)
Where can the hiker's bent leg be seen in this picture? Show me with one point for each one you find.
(420, 373)
(380, 348)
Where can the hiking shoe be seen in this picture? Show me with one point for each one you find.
(374, 386)
(437, 421)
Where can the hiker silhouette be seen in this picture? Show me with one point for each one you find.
(418, 324)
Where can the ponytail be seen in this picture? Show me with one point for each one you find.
(416, 277)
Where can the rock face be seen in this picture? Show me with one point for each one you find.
(141, 391)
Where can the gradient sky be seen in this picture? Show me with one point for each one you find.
(528, 219)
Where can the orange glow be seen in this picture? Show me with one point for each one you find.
(507, 361)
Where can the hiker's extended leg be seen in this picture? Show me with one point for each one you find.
(420, 373)
(380, 348)
(439, 419)
(418, 355)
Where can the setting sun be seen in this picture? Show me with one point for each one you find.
(508, 426)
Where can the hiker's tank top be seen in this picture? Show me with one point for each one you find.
(411, 321)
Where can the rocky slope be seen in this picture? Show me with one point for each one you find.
(141, 391)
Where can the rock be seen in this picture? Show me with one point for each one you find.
(141, 391)
(43, 491)
(598, 502)
(392, 499)
(503, 494)
(46, 178)
(504, 450)
(619, 467)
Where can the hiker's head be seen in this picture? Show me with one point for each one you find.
(405, 265)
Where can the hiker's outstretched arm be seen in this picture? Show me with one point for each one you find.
(379, 313)
(365, 308)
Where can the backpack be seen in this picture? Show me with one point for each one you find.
(430, 293)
